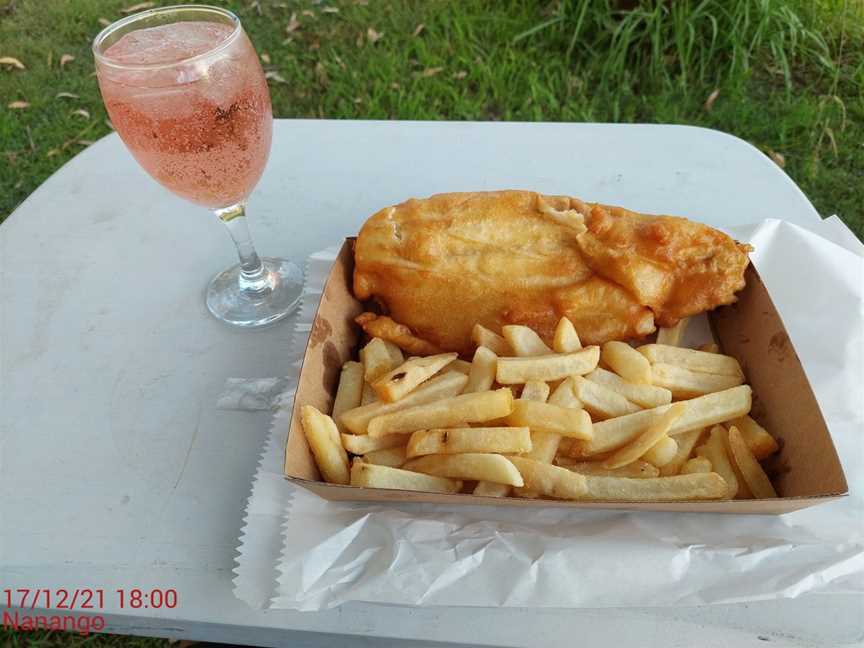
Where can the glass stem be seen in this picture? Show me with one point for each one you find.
(253, 279)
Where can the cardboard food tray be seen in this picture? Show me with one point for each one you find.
(805, 472)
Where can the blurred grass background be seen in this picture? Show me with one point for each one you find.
(786, 75)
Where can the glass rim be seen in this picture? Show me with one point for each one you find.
(110, 29)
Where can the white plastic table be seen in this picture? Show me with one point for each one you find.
(117, 471)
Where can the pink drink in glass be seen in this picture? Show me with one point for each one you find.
(196, 116)
(185, 91)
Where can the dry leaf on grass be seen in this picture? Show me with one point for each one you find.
(709, 102)
(66, 58)
(395, 85)
(19, 105)
(84, 142)
(293, 24)
(321, 74)
(778, 158)
(315, 46)
(11, 61)
(138, 7)
(274, 76)
(430, 72)
(361, 38)
(330, 10)
(81, 113)
(104, 22)
(373, 35)
(52, 152)
(66, 95)
(461, 74)
(418, 29)
(265, 58)
(308, 13)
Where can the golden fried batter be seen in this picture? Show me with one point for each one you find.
(384, 327)
(442, 264)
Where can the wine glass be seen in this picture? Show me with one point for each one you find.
(185, 91)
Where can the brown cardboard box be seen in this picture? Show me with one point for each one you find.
(806, 470)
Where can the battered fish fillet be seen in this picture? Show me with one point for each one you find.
(442, 264)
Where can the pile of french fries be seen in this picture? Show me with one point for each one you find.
(657, 422)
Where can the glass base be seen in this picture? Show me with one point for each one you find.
(233, 304)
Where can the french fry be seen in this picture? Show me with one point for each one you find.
(349, 391)
(379, 357)
(760, 442)
(601, 402)
(714, 450)
(684, 383)
(482, 467)
(636, 470)
(743, 487)
(491, 489)
(513, 371)
(642, 395)
(468, 439)
(323, 438)
(701, 361)
(482, 373)
(662, 452)
(395, 353)
(460, 365)
(393, 457)
(700, 486)
(448, 384)
(747, 463)
(551, 418)
(368, 395)
(563, 395)
(699, 412)
(566, 339)
(686, 442)
(464, 409)
(398, 382)
(544, 445)
(376, 476)
(646, 440)
(482, 336)
(524, 341)
(672, 336)
(535, 390)
(363, 444)
(549, 480)
(696, 465)
(709, 347)
(627, 362)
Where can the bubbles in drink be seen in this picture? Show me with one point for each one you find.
(200, 127)
(167, 43)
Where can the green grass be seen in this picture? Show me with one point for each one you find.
(45, 639)
(790, 73)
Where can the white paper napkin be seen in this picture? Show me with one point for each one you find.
(330, 553)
